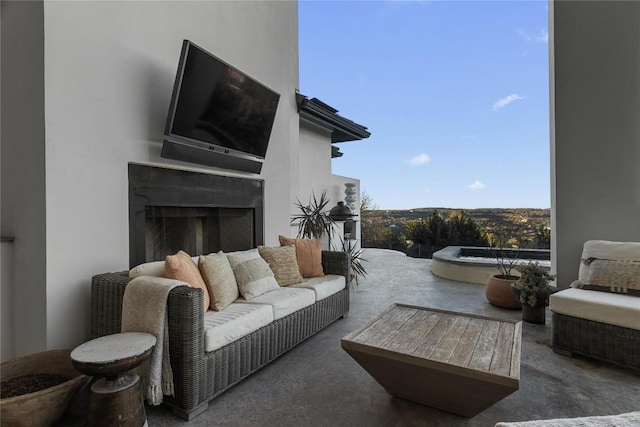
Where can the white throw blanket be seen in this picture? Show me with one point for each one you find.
(144, 309)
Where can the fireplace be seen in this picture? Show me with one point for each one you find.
(199, 213)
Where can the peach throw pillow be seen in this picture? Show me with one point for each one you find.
(181, 267)
(308, 253)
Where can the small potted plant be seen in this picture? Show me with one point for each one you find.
(532, 290)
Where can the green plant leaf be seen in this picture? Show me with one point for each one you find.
(312, 221)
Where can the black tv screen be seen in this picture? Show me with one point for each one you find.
(216, 105)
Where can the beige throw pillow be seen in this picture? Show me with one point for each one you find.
(253, 275)
(181, 267)
(617, 276)
(606, 250)
(220, 280)
(283, 262)
(308, 254)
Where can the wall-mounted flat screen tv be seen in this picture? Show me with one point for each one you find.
(217, 112)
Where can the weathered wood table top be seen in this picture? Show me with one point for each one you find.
(461, 351)
(111, 355)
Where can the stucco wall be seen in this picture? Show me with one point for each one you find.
(315, 164)
(23, 178)
(595, 127)
(109, 69)
(314, 159)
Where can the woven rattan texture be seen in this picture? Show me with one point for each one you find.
(610, 343)
(199, 376)
(107, 291)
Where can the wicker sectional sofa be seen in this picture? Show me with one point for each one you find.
(599, 316)
(199, 375)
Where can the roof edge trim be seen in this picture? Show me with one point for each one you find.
(316, 111)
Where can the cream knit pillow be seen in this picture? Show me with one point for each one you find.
(253, 275)
(220, 280)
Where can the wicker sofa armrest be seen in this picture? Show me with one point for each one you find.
(107, 293)
(186, 344)
(336, 262)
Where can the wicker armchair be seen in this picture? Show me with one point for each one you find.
(200, 376)
(599, 315)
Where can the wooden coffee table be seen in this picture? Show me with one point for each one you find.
(460, 363)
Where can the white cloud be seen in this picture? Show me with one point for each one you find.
(420, 159)
(541, 36)
(506, 101)
(477, 185)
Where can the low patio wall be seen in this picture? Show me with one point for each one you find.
(476, 264)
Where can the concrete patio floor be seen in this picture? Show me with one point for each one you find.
(318, 384)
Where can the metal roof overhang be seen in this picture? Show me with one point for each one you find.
(315, 111)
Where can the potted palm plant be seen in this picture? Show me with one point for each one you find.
(356, 260)
(532, 290)
(313, 221)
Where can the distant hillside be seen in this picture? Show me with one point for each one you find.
(516, 222)
(486, 218)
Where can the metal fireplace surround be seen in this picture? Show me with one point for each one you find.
(151, 187)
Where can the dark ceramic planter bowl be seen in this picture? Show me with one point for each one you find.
(41, 408)
(535, 314)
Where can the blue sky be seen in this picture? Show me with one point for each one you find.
(455, 94)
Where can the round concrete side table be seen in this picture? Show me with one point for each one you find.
(116, 399)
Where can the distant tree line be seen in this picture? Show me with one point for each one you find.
(458, 229)
(422, 237)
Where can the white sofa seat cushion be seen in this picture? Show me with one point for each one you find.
(613, 309)
(235, 321)
(323, 286)
(284, 301)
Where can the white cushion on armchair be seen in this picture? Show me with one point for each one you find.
(613, 309)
